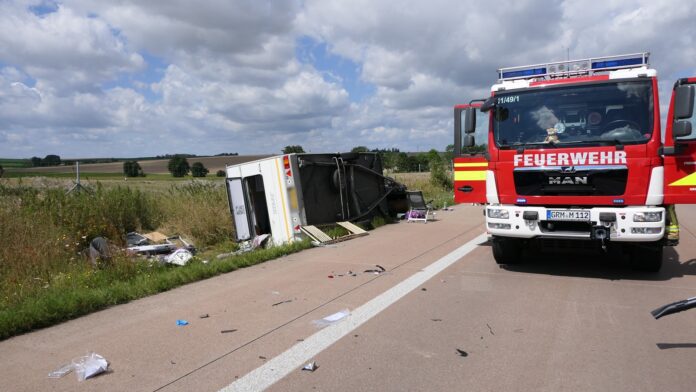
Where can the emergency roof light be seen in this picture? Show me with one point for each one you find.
(574, 67)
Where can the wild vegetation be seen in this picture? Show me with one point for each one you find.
(44, 273)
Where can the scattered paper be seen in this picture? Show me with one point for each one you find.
(328, 320)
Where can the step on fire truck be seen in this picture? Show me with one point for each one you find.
(574, 152)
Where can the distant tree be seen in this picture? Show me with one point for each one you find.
(2, 171)
(293, 149)
(132, 169)
(35, 161)
(51, 160)
(198, 170)
(178, 166)
(220, 173)
(360, 149)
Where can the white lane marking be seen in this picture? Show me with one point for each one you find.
(296, 357)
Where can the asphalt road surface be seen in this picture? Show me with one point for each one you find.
(443, 316)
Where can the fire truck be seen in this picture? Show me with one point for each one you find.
(575, 156)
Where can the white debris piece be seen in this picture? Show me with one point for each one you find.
(328, 320)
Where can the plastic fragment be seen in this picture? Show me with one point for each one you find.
(333, 318)
(312, 366)
(181, 322)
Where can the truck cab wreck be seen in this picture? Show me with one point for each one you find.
(282, 194)
(574, 152)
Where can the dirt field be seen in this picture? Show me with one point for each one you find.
(149, 167)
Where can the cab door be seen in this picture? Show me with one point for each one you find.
(680, 145)
(470, 163)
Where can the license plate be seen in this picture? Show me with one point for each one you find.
(568, 215)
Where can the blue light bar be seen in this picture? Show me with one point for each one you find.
(617, 63)
(570, 68)
(524, 72)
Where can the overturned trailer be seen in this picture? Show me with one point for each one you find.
(281, 194)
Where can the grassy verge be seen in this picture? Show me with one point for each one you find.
(81, 290)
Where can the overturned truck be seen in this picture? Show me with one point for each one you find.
(281, 194)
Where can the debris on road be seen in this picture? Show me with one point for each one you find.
(262, 357)
(61, 371)
(377, 271)
(462, 353)
(312, 366)
(181, 322)
(435, 319)
(85, 367)
(424, 289)
(204, 315)
(328, 320)
(228, 330)
(282, 302)
(89, 366)
(490, 329)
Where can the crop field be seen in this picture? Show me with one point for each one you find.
(156, 166)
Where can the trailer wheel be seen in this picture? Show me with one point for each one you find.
(647, 257)
(507, 250)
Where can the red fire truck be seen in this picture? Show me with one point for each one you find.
(574, 152)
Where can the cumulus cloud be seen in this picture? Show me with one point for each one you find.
(104, 78)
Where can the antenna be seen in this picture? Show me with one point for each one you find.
(78, 186)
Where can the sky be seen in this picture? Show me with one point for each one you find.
(106, 78)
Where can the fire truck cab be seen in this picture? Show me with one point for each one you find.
(575, 152)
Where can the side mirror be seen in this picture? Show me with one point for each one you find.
(469, 140)
(488, 104)
(470, 120)
(683, 102)
(681, 128)
(458, 131)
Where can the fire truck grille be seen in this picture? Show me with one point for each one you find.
(571, 181)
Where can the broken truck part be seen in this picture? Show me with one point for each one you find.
(282, 194)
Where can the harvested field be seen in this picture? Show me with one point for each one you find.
(149, 166)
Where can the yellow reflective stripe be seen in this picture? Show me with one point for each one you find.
(689, 180)
(471, 164)
(478, 175)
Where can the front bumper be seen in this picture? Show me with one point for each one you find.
(623, 229)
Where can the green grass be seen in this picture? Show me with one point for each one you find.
(103, 176)
(82, 289)
(14, 163)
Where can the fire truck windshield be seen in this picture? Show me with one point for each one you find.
(589, 114)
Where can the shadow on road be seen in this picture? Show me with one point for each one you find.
(603, 265)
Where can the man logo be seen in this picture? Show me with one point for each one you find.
(567, 180)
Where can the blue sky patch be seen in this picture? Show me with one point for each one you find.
(153, 73)
(333, 68)
(46, 7)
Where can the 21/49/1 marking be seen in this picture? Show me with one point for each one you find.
(568, 215)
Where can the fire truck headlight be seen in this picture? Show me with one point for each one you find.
(498, 213)
(647, 216)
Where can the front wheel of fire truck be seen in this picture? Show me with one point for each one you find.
(507, 250)
(647, 257)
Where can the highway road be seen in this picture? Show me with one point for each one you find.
(443, 316)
